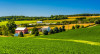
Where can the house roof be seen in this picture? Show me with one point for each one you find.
(39, 21)
(20, 28)
(45, 27)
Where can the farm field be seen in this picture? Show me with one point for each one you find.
(34, 21)
(55, 21)
(49, 21)
(56, 43)
(18, 22)
(66, 26)
(70, 25)
(83, 16)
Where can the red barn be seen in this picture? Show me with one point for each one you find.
(23, 29)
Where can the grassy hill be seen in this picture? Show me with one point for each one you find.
(68, 42)
(91, 34)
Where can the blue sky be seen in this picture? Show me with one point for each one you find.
(48, 7)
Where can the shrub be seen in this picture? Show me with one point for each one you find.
(60, 29)
(36, 33)
(63, 28)
(77, 26)
(58, 23)
(4, 31)
(21, 34)
(97, 22)
(45, 32)
(82, 26)
(73, 27)
(56, 30)
(51, 31)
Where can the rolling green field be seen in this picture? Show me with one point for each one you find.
(90, 34)
(79, 41)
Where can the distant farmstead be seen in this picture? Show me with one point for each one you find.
(46, 28)
(39, 22)
(23, 29)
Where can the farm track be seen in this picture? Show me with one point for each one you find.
(78, 41)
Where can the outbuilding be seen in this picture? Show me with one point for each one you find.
(39, 22)
(46, 28)
(23, 29)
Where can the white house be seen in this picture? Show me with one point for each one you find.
(30, 24)
(39, 22)
(46, 28)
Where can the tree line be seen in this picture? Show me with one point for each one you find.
(45, 32)
(52, 17)
(20, 18)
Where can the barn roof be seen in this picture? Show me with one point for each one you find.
(20, 28)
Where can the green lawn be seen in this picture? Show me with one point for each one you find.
(17, 45)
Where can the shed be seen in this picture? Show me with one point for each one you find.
(23, 29)
(16, 35)
(46, 28)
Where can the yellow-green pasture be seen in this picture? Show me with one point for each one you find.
(55, 21)
(18, 22)
(34, 21)
(74, 17)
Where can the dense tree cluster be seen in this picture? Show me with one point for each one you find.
(97, 22)
(20, 18)
(54, 17)
(57, 30)
(9, 28)
(77, 26)
(85, 15)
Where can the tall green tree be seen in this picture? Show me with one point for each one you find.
(21, 34)
(4, 30)
(51, 31)
(36, 33)
(77, 26)
(56, 30)
(0, 31)
(82, 26)
(34, 30)
(73, 27)
(45, 32)
(63, 28)
(11, 26)
(60, 29)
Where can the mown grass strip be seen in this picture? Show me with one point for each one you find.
(78, 41)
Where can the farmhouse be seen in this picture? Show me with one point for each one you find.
(23, 29)
(46, 28)
(39, 22)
